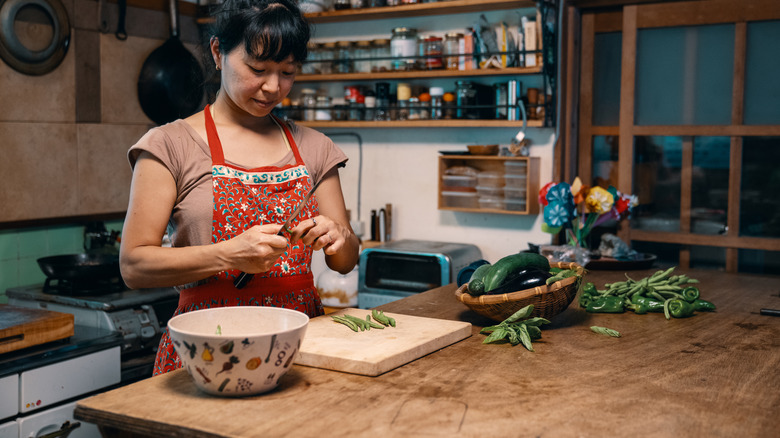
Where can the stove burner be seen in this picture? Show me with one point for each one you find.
(91, 287)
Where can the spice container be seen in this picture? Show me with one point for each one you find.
(432, 50)
(382, 111)
(357, 109)
(340, 108)
(403, 94)
(327, 52)
(452, 50)
(425, 106)
(448, 106)
(403, 48)
(311, 65)
(342, 4)
(323, 108)
(380, 54)
(362, 57)
(370, 101)
(437, 94)
(343, 60)
(414, 108)
(309, 102)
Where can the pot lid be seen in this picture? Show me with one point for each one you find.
(34, 35)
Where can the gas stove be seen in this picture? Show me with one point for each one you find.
(139, 315)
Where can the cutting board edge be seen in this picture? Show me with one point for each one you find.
(59, 325)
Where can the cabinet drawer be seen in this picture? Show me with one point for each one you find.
(9, 402)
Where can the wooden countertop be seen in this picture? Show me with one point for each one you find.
(714, 374)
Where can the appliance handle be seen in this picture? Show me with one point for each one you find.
(65, 429)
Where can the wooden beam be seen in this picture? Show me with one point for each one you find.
(626, 120)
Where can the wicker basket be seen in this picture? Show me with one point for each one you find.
(548, 300)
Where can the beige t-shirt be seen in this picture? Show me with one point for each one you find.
(187, 156)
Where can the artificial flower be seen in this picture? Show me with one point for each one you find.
(543, 193)
(599, 201)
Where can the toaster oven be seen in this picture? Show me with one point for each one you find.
(398, 269)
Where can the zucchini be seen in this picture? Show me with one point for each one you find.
(476, 285)
(498, 272)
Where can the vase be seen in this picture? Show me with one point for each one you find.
(338, 290)
(566, 253)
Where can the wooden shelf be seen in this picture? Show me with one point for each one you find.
(411, 10)
(419, 74)
(446, 123)
(491, 163)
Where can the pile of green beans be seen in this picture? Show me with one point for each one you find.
(358, 324)
(673, 295)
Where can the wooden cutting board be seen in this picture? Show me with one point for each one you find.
(334, 346)
(21, 327)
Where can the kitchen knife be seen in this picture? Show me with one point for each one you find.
(243, 278)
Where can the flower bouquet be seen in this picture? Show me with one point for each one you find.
(577, 208)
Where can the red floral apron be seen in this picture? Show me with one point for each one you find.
(244, 198)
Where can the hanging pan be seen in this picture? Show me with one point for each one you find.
(170, 85)
(24, 59)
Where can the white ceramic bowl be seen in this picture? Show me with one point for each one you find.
(256, 347)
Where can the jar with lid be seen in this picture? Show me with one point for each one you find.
(340, 108)
(393, 2)
(380, 54)
(453, 50)
(357, 108)
(466, 100)
(382, 110)
(358, 4)
(403, 48)
(309, 102)
(327, 52)
(342, 61)
(323, 111)
(437, 94)
(362, 57)
(432, 51)
(403, 95)
(425, 105)
(342, 4)
(377, 3)
(370, 100)
(448, 105)
(311, 66)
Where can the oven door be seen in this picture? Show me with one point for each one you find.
(59, 419)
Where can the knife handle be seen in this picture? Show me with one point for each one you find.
(242, 280)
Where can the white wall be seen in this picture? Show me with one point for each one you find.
(400, 166)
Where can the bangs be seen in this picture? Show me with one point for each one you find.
(275, 35)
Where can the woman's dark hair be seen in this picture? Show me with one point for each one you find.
(269, 29)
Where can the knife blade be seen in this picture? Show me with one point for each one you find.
(243, 278)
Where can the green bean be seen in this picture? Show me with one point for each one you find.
(346, 322)
(380, 317)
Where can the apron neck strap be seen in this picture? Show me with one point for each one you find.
(217, 157)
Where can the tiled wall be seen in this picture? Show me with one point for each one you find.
(65, 134)
(21, 248)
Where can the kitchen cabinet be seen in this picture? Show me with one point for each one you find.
(489, 184)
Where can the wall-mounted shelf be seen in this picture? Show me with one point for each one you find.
(419, 74)
(411, 10)
(466, 195)
(446, 123)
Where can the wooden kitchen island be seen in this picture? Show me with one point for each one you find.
(713, 374)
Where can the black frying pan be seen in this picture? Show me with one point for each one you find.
(83, 268)
(170, 85)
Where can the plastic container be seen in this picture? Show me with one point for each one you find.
(460, 199)
(490, 178)
(459, 182)
(515, 194)
(516, 167)
(514, 204)
(515, 181)
(495, 192)
(491, 202)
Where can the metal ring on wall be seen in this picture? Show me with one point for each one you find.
(20, 57)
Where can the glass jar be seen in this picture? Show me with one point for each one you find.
(309, 103)
(342, 61)
(382, 110)
(466, 100)
(452, 50)
(358, 4)
(311, 66)
(340, 108)
(370, 100)
(323, 109)
(432, 50)
(362, 57)
(414, 108)
(393, 2)
(437, 94)
(403, 95)
(377, 3)
(425, 106)
(327, 52)
(380, 54)
(448, 105)
(342, 4)
(357, 109)
(403, 48)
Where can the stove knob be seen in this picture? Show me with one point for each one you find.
(148, 332)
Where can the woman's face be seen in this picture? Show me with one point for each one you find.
(252, 85)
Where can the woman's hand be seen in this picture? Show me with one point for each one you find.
(257, 249)
(321, 232)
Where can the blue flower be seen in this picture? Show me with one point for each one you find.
(560, 193)
(557, 214)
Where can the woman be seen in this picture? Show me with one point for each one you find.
(226, 178)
